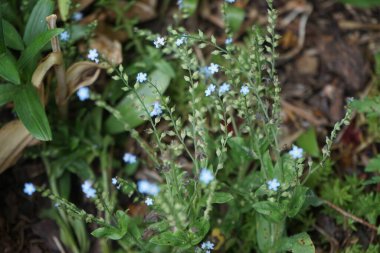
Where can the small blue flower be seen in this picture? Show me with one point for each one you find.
(273, 184)
(206, 176)
(296, 152)
(114, 181)
(129, 158)
(213, 68)
(83, 93)
(180, 41)
(210, 89)
(93, 55)
(225, 87)
(149, 201)
(142, 77)
(159, 42)
(229, 40)
(180, 4)
(64, 36)
(157, 110)
(77, 16)
(244, 90)
(29, 189)
(205, 71)
(230, 1)
(207, 245)
(146, 187)
(88, 190)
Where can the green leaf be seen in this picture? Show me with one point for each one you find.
(235, 17)
(297, 200)
(7, 93)
(268, 233)
(31, 112)
(362, 3)
(299, 243)
(272, 211)
(64, 6)
(308, 141)
(36, 23)
(222, 197)
(130, 107)
(12, 37)
(110, 232)
(267, 160)
(369, 106)
(34, 48)
(178, 238)
(312, 199)
(2, 36)
(8, 69)
(373, 165)
(200, 228)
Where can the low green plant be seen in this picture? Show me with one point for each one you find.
(223, 153)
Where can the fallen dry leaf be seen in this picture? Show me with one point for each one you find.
(109, 49)
(17, 138)
(82, 74)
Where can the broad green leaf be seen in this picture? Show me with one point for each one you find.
(362, 3)
(12, 37)
(35, 46)
(178, 238)
(8, 69)
(272, 211)
(268, 233)
(7, 92)
(64, 6)
(110, 232)
(312, 199)
(222, 197)
(235, 17)
(308, 141)
(369, 106)
(373, 165)
(299, 243)
(36, 23)
(200, 228)
(31, 112)
(131, 109)
(297, 200)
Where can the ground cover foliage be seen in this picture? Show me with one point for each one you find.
(172, 137)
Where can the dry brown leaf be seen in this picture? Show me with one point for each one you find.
(42, 68)
(143, 10)
(82, 74)
(110, 50)
(17, 138)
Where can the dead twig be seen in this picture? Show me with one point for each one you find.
(349, 215)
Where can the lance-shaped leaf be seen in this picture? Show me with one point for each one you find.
(31, 112)
(8, 69)
(36, 23)
(35, 47)
(130, 108)
(12, 37)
